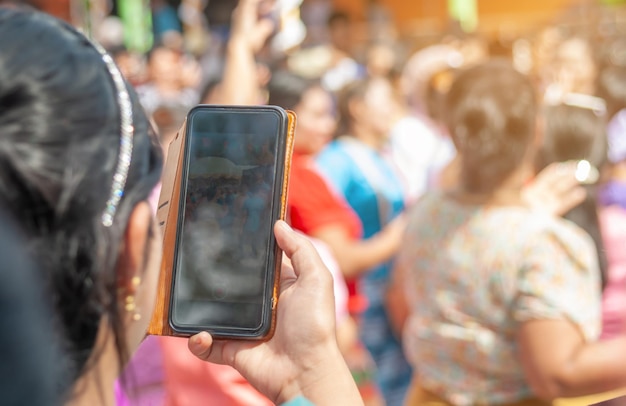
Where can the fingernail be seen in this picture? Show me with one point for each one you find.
(284, 225)
(195, 343)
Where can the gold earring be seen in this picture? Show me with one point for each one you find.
(135, 281)
(131, 307)
(130, 303)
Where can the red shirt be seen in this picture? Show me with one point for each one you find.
(312, 202)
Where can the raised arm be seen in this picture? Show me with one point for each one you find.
(240, 83)
(356, 256)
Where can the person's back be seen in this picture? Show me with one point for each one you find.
(508, 298)
(476, 273)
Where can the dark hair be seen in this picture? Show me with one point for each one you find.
(29, 367)
(574, 133)
(490, 112)
(286, 89)
(168, 118)
(353, 91)
(59, 145)
(337, 17)
(611, 86)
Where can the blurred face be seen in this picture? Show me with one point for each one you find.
(131, 66)
(165, 65)
(380, 60)
(576, 69)
(377, 109)
(316, 121)
(340, 35)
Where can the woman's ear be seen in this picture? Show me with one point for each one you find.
(135, 248)
(138, 273)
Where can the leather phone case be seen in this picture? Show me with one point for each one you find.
(167, 216)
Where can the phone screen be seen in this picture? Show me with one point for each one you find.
(230, 198)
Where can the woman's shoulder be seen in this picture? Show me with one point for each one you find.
(547, 234)
(333, 154)
(518, 222)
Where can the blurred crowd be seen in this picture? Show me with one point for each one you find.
(437, 213)
(471, 204)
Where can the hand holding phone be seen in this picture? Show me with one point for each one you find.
(556, 189)
(304, 337)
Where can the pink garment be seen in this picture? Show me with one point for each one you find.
(613, 226)
(144, 376)
(164, 372)
(153, 199)
(339, 285)
(191, 381)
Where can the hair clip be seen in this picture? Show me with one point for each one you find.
(126, 139)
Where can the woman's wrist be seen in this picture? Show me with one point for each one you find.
(326, 381)
(239, 44)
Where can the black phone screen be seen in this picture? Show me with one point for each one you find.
(230, 199)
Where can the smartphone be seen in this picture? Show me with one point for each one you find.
(226, 261)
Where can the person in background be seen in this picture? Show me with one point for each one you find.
(164, 19)
(355, 166)
(612, 194)
(173, 79)
(419, 145)
(317, 209)
(500, 317)
(577, 133)
(243, 79)
(573, 133)
(315, 206)
(382, 60)
(610, 87)
(341, 68)
(132, 65)
(77, 179)
(573, 69)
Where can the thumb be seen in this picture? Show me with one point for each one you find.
(201, 345)
(304, 257)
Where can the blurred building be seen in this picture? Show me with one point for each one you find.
(417, 17)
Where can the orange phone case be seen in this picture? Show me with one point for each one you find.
(167, 215)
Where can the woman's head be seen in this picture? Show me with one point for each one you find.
(576, 133)
(367, 105)
(61, 166)
(572, 133)
(491, 115)
(313, 106)
(575, 66)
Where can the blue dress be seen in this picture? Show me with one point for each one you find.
(375, 192)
